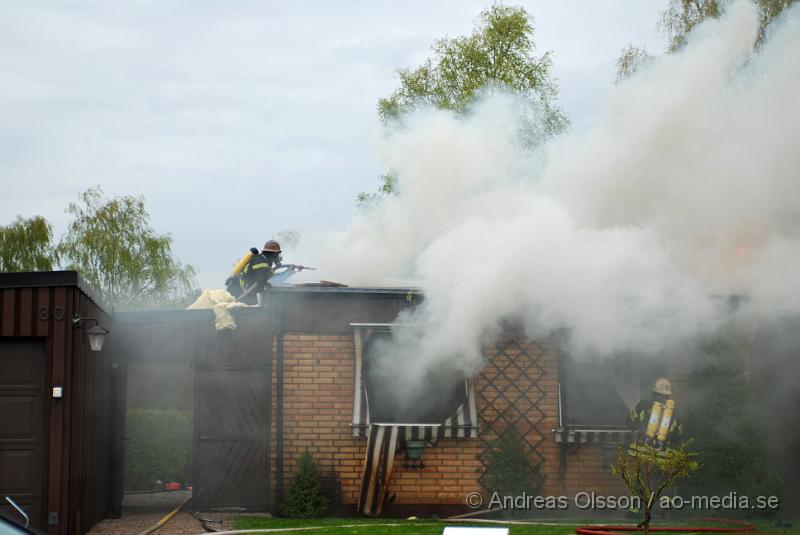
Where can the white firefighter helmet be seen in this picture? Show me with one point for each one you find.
(663, 387)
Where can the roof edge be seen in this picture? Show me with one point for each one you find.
(345, 290)
(38, 279)
(51, 279)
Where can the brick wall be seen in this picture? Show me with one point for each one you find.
(589, 470)
(318, 405)
(318, 408)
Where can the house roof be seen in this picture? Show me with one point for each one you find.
(305, 308)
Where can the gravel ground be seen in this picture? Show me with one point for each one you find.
(140, 511)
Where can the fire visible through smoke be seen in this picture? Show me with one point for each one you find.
(686, 189)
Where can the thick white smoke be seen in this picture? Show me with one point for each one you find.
(688, 188)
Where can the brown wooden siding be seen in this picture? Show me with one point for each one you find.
(22, 311)
(76, 482)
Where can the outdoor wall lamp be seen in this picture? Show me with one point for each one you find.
(96, 335)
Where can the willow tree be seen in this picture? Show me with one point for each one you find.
(111, 243)
(25, 245)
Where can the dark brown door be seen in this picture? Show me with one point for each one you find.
(21, 425)
(231, 439)
(232, 418)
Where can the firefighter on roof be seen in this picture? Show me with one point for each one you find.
(249, 277)
(655, 419)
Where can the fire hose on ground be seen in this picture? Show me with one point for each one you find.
(735, 526)
(166, 518)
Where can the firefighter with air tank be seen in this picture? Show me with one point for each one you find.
(655, 419)
(249, 279)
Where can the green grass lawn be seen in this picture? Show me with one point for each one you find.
(362, 526)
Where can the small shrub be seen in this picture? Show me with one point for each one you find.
(648, 473)
(305, 498)
(158, 446)
(508, 469)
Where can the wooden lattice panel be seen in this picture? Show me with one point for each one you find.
(510, 396)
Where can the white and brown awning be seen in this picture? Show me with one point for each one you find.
(592, 435)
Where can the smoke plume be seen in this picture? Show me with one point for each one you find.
(687, 188)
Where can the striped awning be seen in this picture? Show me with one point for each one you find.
(376, 474)
(588, 435)
(463, 423)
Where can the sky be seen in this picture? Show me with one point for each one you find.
(237, 120)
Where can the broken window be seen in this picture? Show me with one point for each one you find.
(441, 404)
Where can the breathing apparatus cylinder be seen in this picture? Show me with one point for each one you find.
(666, 420)
(243, 262)
(655, 419)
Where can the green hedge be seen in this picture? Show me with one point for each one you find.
(158, 447)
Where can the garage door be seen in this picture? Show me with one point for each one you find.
(21, 424)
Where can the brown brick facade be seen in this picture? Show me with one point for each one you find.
(318, 404)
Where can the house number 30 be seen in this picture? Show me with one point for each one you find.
(58, 313)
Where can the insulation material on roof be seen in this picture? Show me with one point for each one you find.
(221, 302)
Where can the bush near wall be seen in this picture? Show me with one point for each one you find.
(305, 498)
(158, 447)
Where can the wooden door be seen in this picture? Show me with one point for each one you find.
(22, 369)
(232, 419)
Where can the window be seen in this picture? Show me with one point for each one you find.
(593, 393)
(446, 407)
(597, 395)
